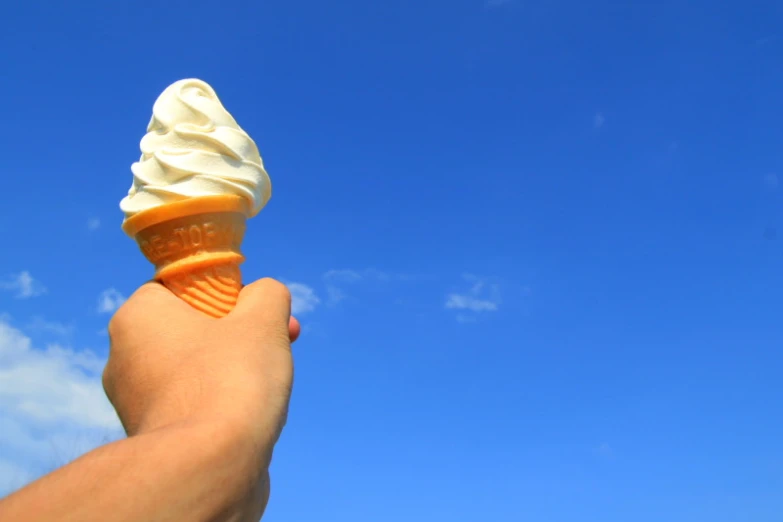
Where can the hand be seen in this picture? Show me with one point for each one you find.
(170, 364)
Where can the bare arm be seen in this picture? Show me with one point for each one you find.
(190, 471)
(203, 402)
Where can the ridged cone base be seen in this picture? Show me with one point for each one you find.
(195, 247)
(213, 290)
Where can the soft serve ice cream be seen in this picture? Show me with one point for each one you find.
(199, 178)
(193, 148)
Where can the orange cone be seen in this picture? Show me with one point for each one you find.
(195, 247)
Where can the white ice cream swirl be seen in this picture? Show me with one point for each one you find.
(193, 147)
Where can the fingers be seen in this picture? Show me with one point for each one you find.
(265, 305)
(147, 302)
(294, 329)
(265, 297)
(252, 300)
(263, 317)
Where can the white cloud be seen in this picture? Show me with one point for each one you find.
(335, 294)
(497, 3)
(53, 384)
(337, 280)
(604, 450)
(379, 275)
(303, 298)
(24, 285)
(13, 476)
(39, 324)
(598, 120)
(109, 301)
(52, 407)
(355, 276)
(93, 223)
(345, 276)
(481, 296)
(766, 39)
(466, 302)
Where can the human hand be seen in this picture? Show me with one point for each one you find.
(170, 364)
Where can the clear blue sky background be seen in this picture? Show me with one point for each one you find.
(557, 225)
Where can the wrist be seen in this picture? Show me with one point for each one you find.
(237, 464)
(196, 470)
(218, 440)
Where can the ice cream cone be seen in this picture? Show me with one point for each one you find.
(194, 245)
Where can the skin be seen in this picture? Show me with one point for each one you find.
(203, 402)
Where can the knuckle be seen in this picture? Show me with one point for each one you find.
(124, 316)
(276, 289)
(116, 322)
(120, 320)
(107, 379)
(282, 292)
(285, 295)
(146, 290)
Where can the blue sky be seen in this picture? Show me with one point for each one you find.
(535, 246)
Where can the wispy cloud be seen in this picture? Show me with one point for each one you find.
(603, 450)
(303, 298)
(337, 281)
(50, 398)
(23, 285)
(498, 3)
(468, 302)
(53, 384)
(598, 120)
(343, 276)
(771, 181)
(93, 223)
(766, 40)
(109, 301)
(481, 296)
(13, 476)
(334, 294)
(354, 276)
(39, 324)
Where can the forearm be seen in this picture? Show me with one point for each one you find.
(194, 472)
